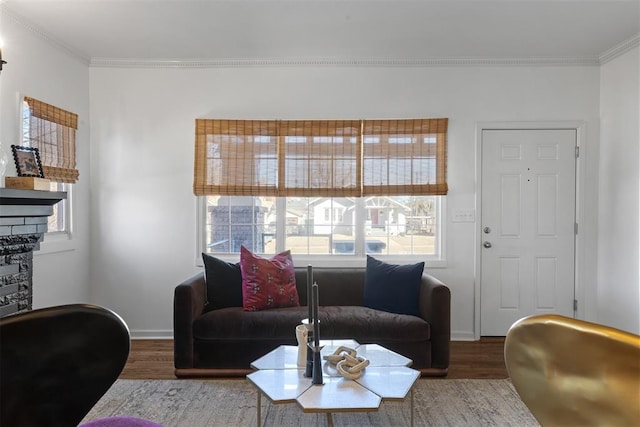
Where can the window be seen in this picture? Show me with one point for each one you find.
(53, 132)
(334, 188)
(60, 221)
(398, 225)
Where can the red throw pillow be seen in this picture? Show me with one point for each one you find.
(267, 283)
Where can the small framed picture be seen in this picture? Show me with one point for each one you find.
(27, 161)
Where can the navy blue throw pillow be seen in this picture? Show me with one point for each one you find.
(392, 288)
(224, 283)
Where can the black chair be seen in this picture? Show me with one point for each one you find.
(57, 362)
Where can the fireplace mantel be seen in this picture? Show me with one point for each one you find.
(23, 223)
(16, 197)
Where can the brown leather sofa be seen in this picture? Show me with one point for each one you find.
(224, 341)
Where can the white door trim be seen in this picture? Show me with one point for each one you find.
(581, 134)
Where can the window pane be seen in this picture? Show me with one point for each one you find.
(303, 238)
(57, 222)
(401, 225)
(321, 222)
(239, 221)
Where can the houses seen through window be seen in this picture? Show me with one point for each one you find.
(385, 225)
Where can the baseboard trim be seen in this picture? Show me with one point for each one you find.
(462, 336)
(138, 334)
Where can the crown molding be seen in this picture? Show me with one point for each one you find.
(338, 62)
(43, 35)
(620, 49)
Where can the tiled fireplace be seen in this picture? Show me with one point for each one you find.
(23, 222)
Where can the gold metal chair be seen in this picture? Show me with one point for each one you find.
(575, 373)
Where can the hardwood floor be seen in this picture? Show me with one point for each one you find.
(153, 359)
(149, 359)
(478, 359)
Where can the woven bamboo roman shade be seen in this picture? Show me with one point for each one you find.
(236, 157)
(320, 158)
(405, 157)
(52, 131)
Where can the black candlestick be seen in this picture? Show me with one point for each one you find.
(309, 367)
(317, 367)
(317, 360)
(309, 302)
(316, 320)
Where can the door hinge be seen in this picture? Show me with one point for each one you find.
(575, 305)
(575, 228)
(577, 151)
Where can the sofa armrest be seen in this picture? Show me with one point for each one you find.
(435, 308)
(189, 300)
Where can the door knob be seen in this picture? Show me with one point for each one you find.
(487, 244)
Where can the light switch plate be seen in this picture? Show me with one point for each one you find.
(464, 215)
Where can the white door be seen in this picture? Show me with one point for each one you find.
(528, 225)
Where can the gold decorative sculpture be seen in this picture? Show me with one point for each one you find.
(575, 373)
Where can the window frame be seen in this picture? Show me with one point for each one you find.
(66, 204)
(64, 241)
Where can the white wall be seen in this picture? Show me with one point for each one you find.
(618, 229)
(139, 222)
(35, 68)
(142, 134)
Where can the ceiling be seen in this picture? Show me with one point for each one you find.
(183, 30)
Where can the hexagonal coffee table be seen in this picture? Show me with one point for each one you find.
(388, 377)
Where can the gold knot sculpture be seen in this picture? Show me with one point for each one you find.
(347, 362)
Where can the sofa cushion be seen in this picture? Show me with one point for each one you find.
(337, 286)
(224, 283)
(363, 324)
(393, 288)
(267, 283)
(367, 325)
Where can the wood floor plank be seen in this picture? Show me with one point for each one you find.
(153, 359)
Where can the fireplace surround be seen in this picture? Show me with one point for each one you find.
(23, 223)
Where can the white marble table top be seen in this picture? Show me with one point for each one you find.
(387, 377)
